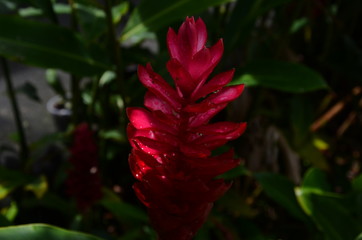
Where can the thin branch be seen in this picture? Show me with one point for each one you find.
(15, 109)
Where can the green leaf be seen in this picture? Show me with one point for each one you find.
(125, 212)
(29, 90)
(283, 76)
(329, 213)
(151, 16)
(281, 190)
(47, 46)
(41, 232)
(317, 179)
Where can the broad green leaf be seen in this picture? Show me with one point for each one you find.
(125, 212)
(317, 179)
(41, 232)
(151, 16)
(329, 213)
(281, 190)
(29, 90)
(47, 46)
(243, 19)
(283, 76)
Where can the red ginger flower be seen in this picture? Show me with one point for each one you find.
(172, 140)
(84, 182)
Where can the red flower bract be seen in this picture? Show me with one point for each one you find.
(84, 182)
(172, 140)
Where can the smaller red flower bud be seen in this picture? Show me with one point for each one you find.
(84, 182)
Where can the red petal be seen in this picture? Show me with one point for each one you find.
(181, 77)
(141, 163)
(154, 103)
(140, 193)
(204, 117)
(219, 128)
(216, 52)
(187, 35)
(218, 139)
(172, 44)
(193, 150)
(217, 189)
(159, 136)
(225, 95)
(158, 86)
(142, 119)
(216, 83)
(152, 147)
(201, 63)
(201, 34)
(214, 166)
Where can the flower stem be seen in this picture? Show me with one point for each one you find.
(75, 89)
(114, 44)
(52, 15)
(15, 109)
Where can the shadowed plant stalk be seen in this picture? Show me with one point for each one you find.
(15, 109)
